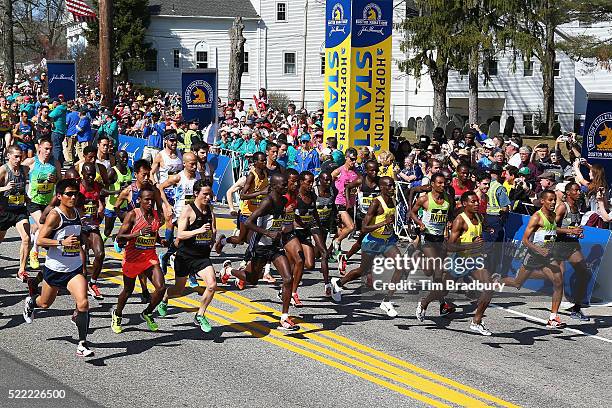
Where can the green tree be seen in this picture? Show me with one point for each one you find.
(131, 18)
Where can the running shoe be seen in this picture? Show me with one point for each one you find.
(267, 276)
(288, 325)
(193, 281)
(218, 245)
(104, 237)
(336, 290)
(240, 284)
(227, 266)
(202, 321)
(148, 318)
(555, 323)
(22, 276)
(447, 308)
(145, 297)
(94, 291)
(118, 249)
(342, 264)
(28, 309)
(116, 322)
(34, 264)
(420, 312)
(479, 327)
(388, 308)
(162, 309)
(83, 350)
(328, 290)
(295, 300)
(578, 315)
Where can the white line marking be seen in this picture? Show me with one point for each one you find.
(537, 319)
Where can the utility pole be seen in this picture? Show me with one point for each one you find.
(303, 94)
(106, 70)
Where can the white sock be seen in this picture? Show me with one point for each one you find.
(93, 281)
(284, 316)
(552, 316)
(33, 238)
(267, 269)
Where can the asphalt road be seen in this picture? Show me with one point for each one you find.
(347, 354)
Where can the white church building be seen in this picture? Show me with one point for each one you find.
(194, 34)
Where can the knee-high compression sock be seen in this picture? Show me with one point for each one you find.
(82, 322)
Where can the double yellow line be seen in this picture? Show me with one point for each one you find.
(337, 351)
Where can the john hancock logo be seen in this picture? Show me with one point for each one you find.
(199, 95)
(337, 22)
(372, 21)
(599, 136)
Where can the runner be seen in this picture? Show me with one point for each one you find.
(436, 206)
(325, 209)
(309, 228)
(196, 234)
(90, 205)
(13, 210)
(180, 187)
(103, 155)
(466, 240)
(265, 246)
(567, 247)
(139, 234)
(63, 266)
(205, 169)
(271, 155)
(346, 180)
(44, 172)
(90, 156)
(256, 187)
(379, 238)
(119, 177)
(23, 134)
(539, 238)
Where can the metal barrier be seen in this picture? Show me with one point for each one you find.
(403, 223)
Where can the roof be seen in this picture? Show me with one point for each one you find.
(209, 8)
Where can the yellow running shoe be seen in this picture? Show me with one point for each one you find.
(34, 263)
(116, 323)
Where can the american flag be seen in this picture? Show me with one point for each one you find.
(80, 10)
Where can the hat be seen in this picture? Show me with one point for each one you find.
(305, 137)
(488, 144)
(496, 168)
(512, 143)
(284, 126)
(524, 171)
(326, 152)
(170, 136)
(26, 98)
(61, 96)
(548, 175)
(318, 133)
(561, 187)
(236, 131)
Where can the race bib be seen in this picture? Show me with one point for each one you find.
(71, 251)
(44, 187)
(189, 199)
(145, 242)
(90, 208)
(257, 200)
(388, 230)
(277, 225)
(439, 216)
(16, 199)
(324, 212)
(204, 238)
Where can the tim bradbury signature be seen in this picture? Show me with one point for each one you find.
(61, 76)
(371, 30)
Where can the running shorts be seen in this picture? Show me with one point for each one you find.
(145, 261)
(432, 241)
(112, 213)
(59, 279)
(288, 236)
(377, 246)
(266, 253)
(186, 265)
(26, 146)
(33, 207)
(562, 250)
(10, 219)
(536, 261)
(304, 236)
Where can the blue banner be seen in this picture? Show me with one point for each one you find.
(223, 177)
(593, 245)
(134, 147)
(62, 79)
(597, 136)
(199, 96)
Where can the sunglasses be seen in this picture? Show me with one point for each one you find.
(70, 193)
(351, 158)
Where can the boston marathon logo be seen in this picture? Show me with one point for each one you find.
(372, 21)
(199, 95)
(599, 136)
(337, 22)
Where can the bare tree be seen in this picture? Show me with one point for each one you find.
(8, 50)
(236, 65)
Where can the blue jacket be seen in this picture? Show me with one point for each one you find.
(72, 120)
(84, 132)
(308, 161)
(155, 135)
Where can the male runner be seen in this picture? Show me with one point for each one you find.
(119, 177)
(325, 209)
(196, 234)
(205, 169)
(139, 235)
(13, 211)
(254, 190)
(567, 247)
(265, 246)
(271, 155)
(89, 156)
(60, 234)
(539, 238)
(44, 172)
(379, 238)
(289, 237)
(436, 207)
(23, 134)
(90, 206)
(466, 240)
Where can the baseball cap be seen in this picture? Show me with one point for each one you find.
(326, 152)
(284, 126)
(512, 143)
(524, 171)
(496, 168)
(488, 144)
(170, 136)
(305, 137)
(549, 175)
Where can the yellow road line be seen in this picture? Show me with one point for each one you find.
(362, 360)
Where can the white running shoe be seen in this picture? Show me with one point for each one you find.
(83, 350)
(388, 308)
(479, 328)
(336, 290)
(420, 312)
(28, 310)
